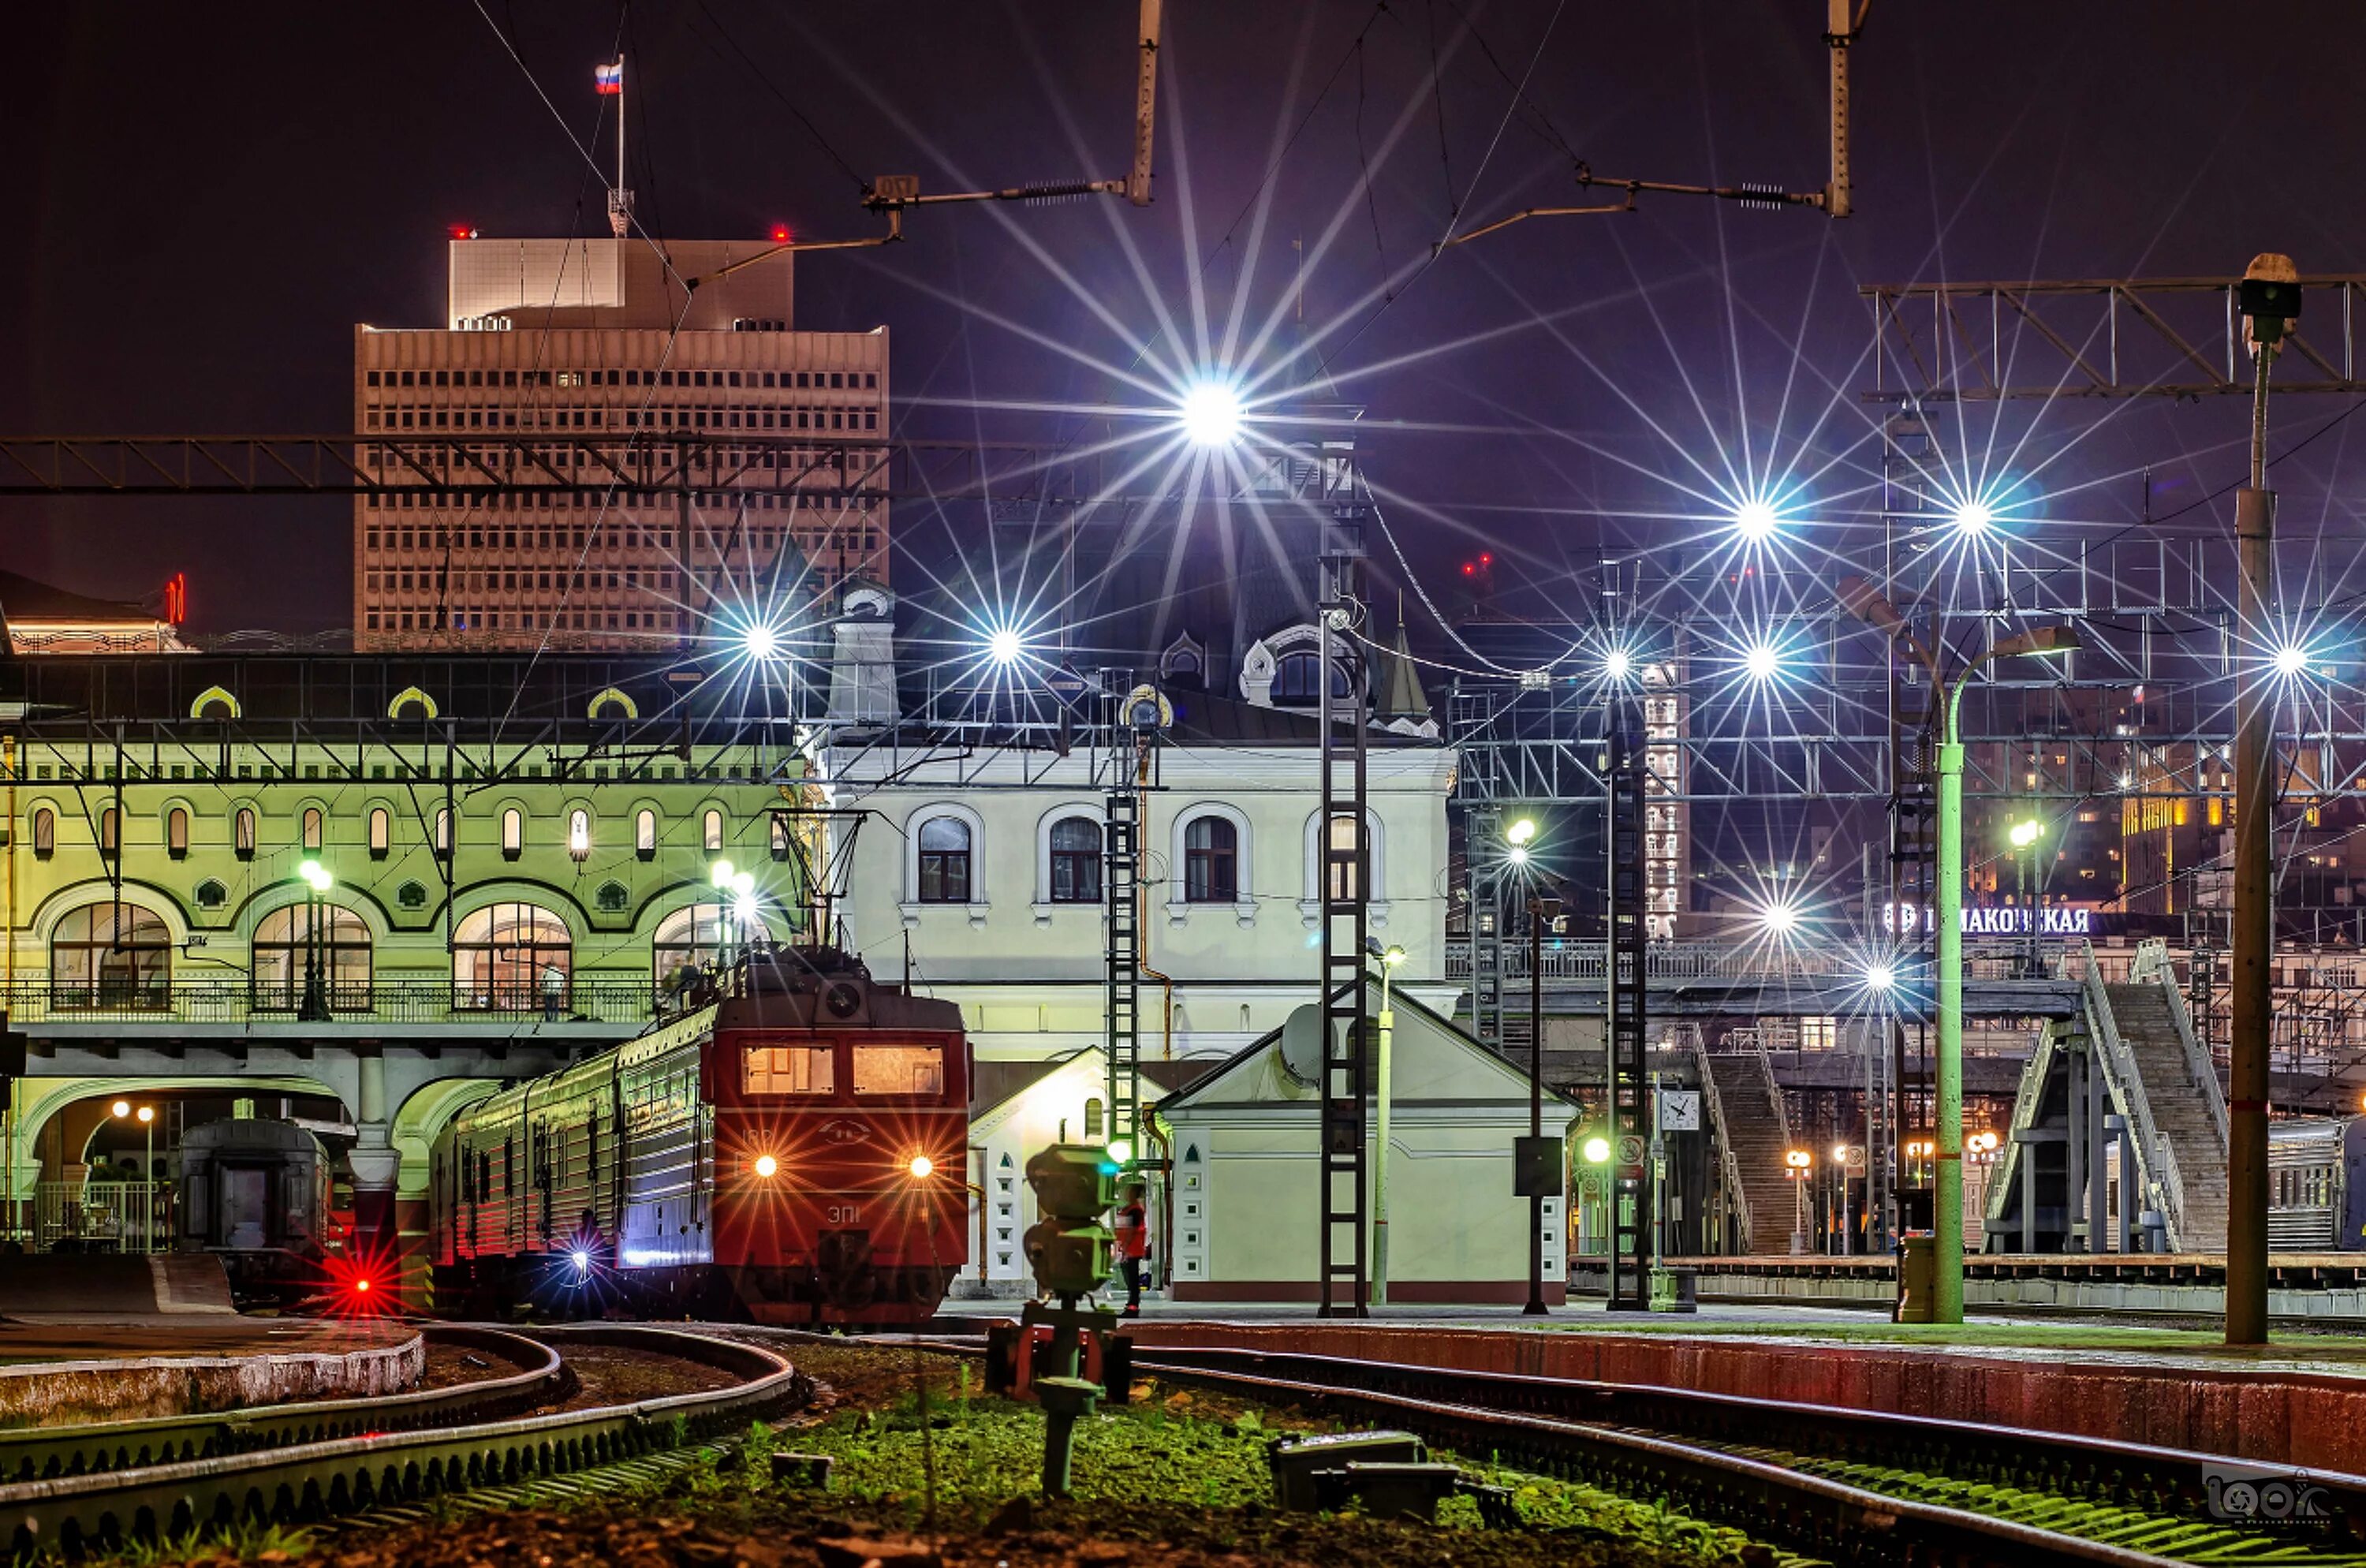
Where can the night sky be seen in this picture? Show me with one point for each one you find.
(203, 200)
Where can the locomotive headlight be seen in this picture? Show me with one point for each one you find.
(767, 1167)
(922, 1167)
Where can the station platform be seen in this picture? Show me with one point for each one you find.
(2300, 1400)
(2328, 1287)
(126, 1365)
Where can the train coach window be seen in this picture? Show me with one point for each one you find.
(899, 1069)
(789, 1069)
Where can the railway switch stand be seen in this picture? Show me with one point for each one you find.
(1069, 1251)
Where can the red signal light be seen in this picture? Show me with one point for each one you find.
(362, 1285)
(1468, 570)
(1486, 560)
(463, 231)
(780, 233)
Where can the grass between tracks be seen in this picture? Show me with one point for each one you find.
(1177, 1480)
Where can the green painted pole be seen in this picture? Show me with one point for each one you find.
(1947, 1206)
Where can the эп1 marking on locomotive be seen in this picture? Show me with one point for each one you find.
(790, 1152)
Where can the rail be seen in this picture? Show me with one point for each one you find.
(1776, 1466)
(38, 1453)
(2157, 1160)
(319, 1479)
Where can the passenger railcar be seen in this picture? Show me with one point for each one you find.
(2316, 1184)
(257, 1193)
(793, 1153)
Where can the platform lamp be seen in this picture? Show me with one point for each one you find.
(1389, 957)
(1865, 602)
(314, 1008)
(146, 1116)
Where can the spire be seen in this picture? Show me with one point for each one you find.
(1403, 697)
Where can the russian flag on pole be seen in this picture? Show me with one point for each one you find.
(609, 79)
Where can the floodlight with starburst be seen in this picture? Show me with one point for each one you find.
(2290, 659)
(1210, 412)
(1974, 517)
(1755, 520)
(1004, 645)
(1618, 665)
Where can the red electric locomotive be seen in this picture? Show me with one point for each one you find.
(793, 1153)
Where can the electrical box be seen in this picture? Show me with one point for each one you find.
(1537, 1168)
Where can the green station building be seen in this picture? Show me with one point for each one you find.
(510, 860)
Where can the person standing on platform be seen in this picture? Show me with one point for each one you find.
(1131, 1245)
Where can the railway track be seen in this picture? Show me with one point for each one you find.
(73, 1488)
(1850, 1487)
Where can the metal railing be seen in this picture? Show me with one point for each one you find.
(1676, 961)
(102, 1216)
(233, 999)
(2157, 1160)
(1729, 1162)
(2153, 966)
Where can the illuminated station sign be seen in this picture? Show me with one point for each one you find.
(2002, 919)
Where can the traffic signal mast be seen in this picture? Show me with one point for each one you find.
(1068, 1251)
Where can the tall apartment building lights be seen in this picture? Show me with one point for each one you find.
(600, 345)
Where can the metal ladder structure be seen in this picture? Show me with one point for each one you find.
(1630, 1098)
(1482, 836)
(1342, 1288)
(1130, 753)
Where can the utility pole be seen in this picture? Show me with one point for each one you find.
(1540, 911)
(2270, 302)
(1343, 896)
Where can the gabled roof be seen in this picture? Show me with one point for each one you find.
(994, 1083)
(1404, 1002)
(24, 598)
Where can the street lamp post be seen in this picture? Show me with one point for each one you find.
(1539, 911)
(1947, 1206)
(2269, 303)
(314, 1008)
(2026, 836)
(1389, 958)
(146, 1116)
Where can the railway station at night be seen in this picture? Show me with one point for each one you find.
(912, 786)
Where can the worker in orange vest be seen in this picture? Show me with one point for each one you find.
(1131, 1245)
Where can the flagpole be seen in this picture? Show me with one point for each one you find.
(620, 216)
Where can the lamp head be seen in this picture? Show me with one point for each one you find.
(1210, 413)
(1520, 832)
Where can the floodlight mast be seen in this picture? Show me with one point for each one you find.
(889, 195)
(1845, 23)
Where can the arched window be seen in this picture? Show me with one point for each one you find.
(697, 935)
(713, 824)
(1294, 677)
(111, 832)
(1211, 861)
(1339, 857)
(578, 833)
(1093, 1110)
(1075, 861)
(780, 835)
(313, 828)
(381, 833)
(944, 861)
(511, 958)
(176, 832)
(110, 955)
(645, 834)
(512, 832)
(287, 952)
(45, 832)
(443, 832)
(242, 833)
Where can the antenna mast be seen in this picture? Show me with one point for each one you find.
(610, 81)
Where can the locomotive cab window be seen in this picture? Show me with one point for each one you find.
(790, 1069)
(899, 1069)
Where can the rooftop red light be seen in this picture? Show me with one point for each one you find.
(780, 233)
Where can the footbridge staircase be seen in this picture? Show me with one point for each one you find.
(2118, 1140)
(1744, 1107)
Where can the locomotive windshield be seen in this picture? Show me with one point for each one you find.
(789, 1069)
(899, 1069)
